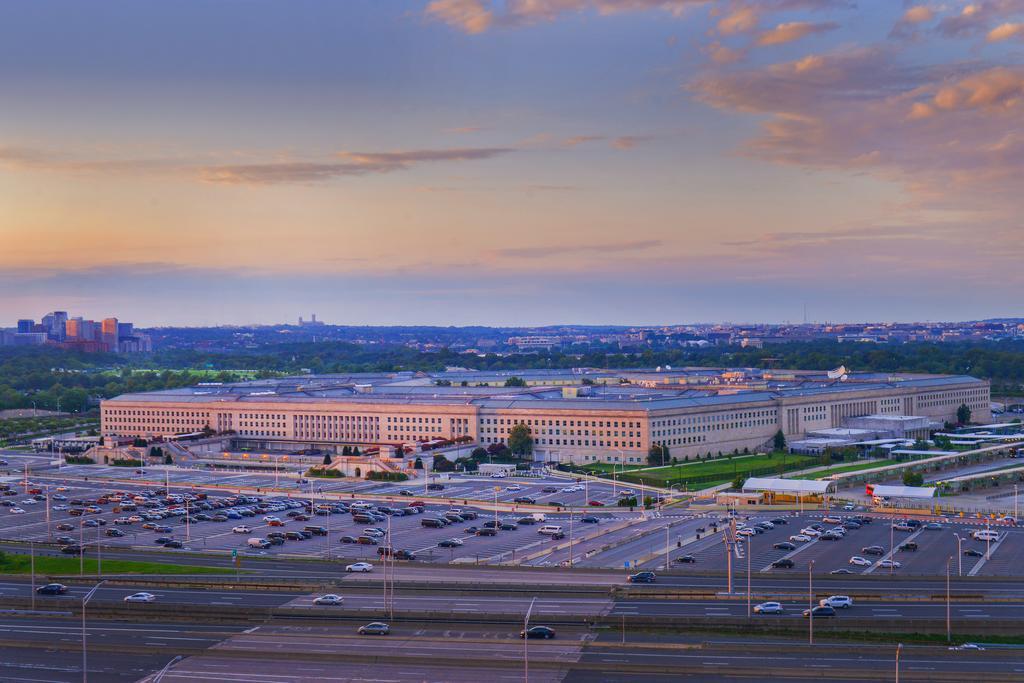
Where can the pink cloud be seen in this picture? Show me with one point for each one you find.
(793, 31)
(1006, 32)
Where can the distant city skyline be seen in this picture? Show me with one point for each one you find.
(512, 162)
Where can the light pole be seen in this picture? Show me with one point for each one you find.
(85, 661)
(496, 507)
(899, 647)
(526, 640)
(750, 551)
(810, 603)
(1014, 503)
(959, 555)
(892, 548)
(949, 632)
(32, 549)
(570, 537)
(666, 547)
(988, 542)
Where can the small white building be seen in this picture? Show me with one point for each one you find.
(496, 468)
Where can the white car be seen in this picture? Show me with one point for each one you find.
(849, 507)
(860, 561)
(30, 501)
(329, 599)
(514, 487)
(17, 511)
(140, 597)
(838, 601)
(271, 518)
(745, 532)
(242, 529)
(135, 518)
(498, 475)
(889, 564)
(359, 567)
(769, 608)
(60, 508)
(800, 538)
(808, 531)
(569, 489)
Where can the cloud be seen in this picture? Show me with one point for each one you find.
(723, 54)
(262, 173)
(629, 141)
(918, 14)
(1005, 32)
(471, 16)
(944, 132)
(581, 139)
(793, 31)
(464, 130)
(978, 17)
(477, 16)
(578, 249)
(740, 20)
(906, 27)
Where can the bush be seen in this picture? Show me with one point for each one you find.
(127, 463)
(324, 474)
(387, 476)
(78, 460)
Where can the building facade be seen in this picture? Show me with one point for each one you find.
(577, 416)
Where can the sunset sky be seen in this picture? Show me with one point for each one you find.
(511, 161)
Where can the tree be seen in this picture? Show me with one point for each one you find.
(656, 455)
(327, 459)
(963, 414)
(346, 450)
(418, 463)
(355, 450)
(737, 482)
(168, 460)
(515, 382)
(443, 464)
(479, 453)
(467, 464)
(779, 442)
(913, 478)
(520, 442)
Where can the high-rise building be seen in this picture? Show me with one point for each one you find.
(109, 333)
(25, 326)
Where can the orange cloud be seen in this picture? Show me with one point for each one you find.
(1005, 32)
(918, 14)
(472, 16)
(741, 20)
(793, 31)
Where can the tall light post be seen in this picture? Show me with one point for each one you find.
(570, 537)
(666, 547)
(810, 603)
(959, 555)
(899, 648)
(526, 641)
(85, 660)
(988, 542)
(1014, 503)
(892, 548)
(949, 631)
(496, 488)
(32, 550)
(750, 551)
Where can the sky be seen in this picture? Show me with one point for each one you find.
(511, 162)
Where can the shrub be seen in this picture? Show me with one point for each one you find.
(387, 476)
(127, 463)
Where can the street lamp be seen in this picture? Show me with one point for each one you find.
(949, 636)
(1014, 503)
(526, 641)
(85, 662)
(899, 648)
(810, 603)
(959, 554)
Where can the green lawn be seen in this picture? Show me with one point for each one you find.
(608, 468)
(11, 563)
(841, 469)
(718, 471)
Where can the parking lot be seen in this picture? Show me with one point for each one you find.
(934, 548)
(407, 532)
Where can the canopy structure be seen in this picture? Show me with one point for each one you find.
(883, 491)
(795, 486)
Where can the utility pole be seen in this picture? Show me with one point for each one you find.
(899, 647)
(810, 603)
(32, 547)
(949, 631)
(750, 551)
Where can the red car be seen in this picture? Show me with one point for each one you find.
(596, 503)
(417, 504)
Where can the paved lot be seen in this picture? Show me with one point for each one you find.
(406, 532)
(934, 548)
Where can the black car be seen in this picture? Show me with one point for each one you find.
(784, 563)
(829, 536)
(909, 545)
(114, 533)
(65, 540)
(163, 540)
(470, 530)
(52, 589)
(491, 524)
(449, 543)
(72, 549)
(526, 500)
(487, 531)
(820, 611)
(405, 492)
(64, 526)
(526, 520)
(173, 544)
(549, 489)
(509, 526)
(873, 550)
(435, 487)
(545, 632)
(784, 545)
(686, 559)
(973, 552)
(590, 520)
(294, 536)
(643, 577)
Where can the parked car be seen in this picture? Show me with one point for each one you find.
(974, 552)
(643, 577)
(859, 561)
(889, 564)
(873, 550)
(450, 543)
(784, 563)
(784, 545)
(908, 545)
(686, 559)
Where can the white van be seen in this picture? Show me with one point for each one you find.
(259, 543)
(539, 517)
(985, 535)
(549, 529)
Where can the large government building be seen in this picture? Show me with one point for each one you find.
(579, 415)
